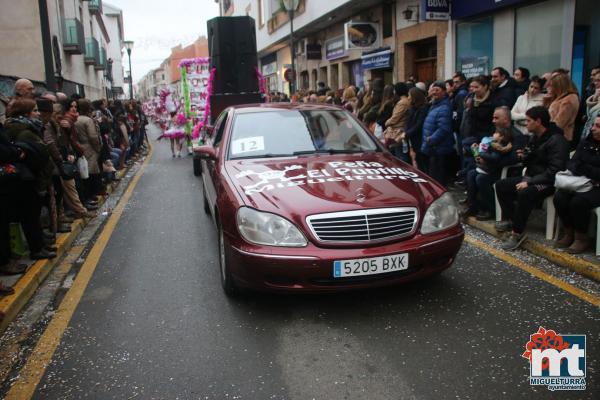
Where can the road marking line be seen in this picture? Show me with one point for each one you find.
(33, 371)
(575, 291)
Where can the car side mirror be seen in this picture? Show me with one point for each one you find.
(206, 152)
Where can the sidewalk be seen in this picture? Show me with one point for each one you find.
(25, 285)
(587, 264)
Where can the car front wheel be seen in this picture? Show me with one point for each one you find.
(205, 201)
(196, 163)
(226, 281)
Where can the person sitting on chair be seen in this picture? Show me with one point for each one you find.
(574, 208)
(546, 154)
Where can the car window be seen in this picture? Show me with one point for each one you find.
(293, 132)
(220, 128)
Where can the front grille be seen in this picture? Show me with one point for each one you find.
(363, 225)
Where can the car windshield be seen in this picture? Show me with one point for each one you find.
(281, 133)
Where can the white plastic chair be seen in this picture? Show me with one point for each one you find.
(550, 217)
(597, 211)
(548, 205)
(503, 175)
(550, 214)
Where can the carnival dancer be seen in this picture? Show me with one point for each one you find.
(175, 133)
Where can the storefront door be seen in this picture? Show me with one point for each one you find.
(423, 57)
(426, 69)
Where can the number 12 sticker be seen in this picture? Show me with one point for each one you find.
(247, 145)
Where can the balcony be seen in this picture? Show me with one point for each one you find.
(95, 6)
(92, 52)
(101, 65)
(73, 39)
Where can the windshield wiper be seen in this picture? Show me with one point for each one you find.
(331, 151)
(268, 155)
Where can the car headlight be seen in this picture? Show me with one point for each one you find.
(268, 229)
(442, 214)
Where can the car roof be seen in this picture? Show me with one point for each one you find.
(261, 107)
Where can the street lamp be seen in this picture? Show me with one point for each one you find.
(291, 6)
(129, 45)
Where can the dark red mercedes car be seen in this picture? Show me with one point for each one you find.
(304, 198)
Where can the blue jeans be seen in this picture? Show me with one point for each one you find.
(467, 161)
(115, 157)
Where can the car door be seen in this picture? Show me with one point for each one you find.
(211, 167)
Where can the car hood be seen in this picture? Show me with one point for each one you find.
(296, 187)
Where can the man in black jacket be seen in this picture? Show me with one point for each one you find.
(546, 154)
(503, 88)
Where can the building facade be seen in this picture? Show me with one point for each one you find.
(113, 19)
(345, 42)
(168, 75)
(420, 39)
(63, 45)
(538, 35)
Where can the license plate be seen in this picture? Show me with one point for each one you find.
(370, 266)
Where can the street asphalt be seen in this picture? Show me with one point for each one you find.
(155, 324)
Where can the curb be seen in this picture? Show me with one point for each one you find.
(565, 260)
(36, 274)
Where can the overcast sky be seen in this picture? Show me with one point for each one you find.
(157, 25)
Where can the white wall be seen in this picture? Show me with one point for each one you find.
(504, 39)
(114, 49)
(402, 5)
(73, 67)
(314, 10)
(21, 52)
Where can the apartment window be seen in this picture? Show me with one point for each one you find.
(388, 12)
(539, 36)
(475, 46)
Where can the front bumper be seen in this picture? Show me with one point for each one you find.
(310, 269)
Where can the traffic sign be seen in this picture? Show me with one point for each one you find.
(289, 75)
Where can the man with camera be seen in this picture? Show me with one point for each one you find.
(545, 155)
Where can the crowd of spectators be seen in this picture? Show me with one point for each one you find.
(464, 132)
(57, 156)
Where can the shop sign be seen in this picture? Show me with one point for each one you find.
(269, 69)
(474, 66)
(335, 48)
(382, 59)
(313, 51)
(467, 8)
(361, 35)
(435, 10)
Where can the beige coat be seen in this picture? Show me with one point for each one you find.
(563, 112)
(88, 136)
(399, 114)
